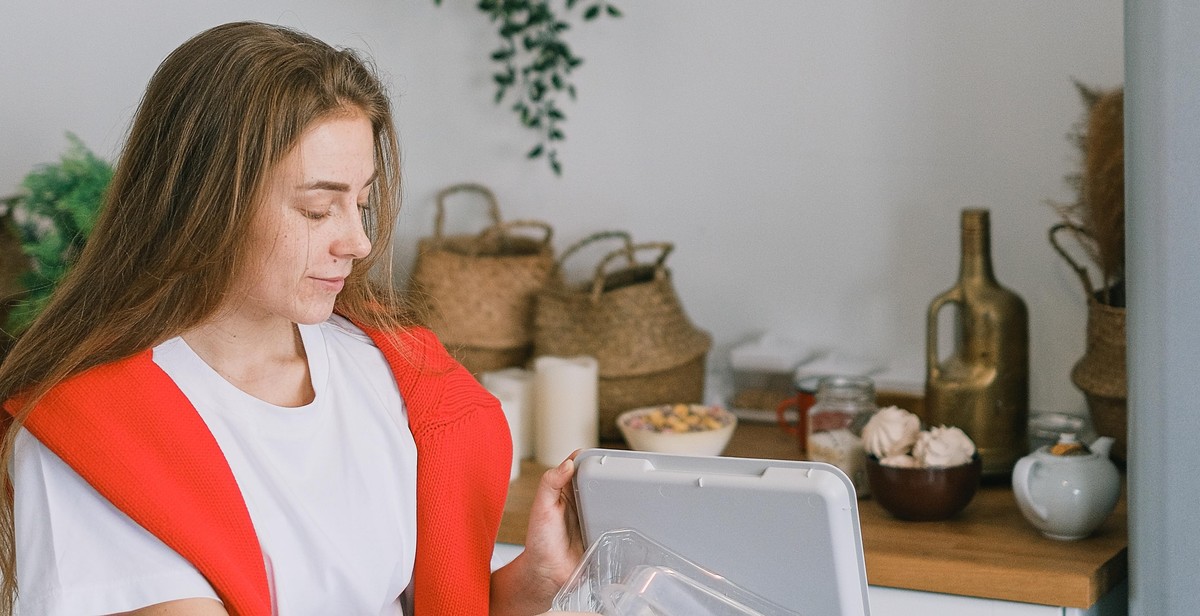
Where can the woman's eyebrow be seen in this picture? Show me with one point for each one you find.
(335, 186)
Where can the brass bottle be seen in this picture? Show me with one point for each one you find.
(982, 387)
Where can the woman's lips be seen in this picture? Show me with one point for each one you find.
(333, 285)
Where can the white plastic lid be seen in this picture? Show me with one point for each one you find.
(836, 364)
(785, 530)
(769, 353)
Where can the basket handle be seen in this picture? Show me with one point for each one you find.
(439, 220)
(665, 249)
(1080, 270)
(595, 237)
(501, 227)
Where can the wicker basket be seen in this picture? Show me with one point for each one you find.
(632, 322)
(13, 264)
(1101, 373)
(476, 292)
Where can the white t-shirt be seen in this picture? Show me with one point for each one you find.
(330, 486)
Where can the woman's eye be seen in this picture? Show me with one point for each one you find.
(316, 214)
(365, 206)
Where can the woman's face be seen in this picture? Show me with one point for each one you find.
(309, 230)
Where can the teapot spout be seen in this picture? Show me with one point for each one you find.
(1102, 445)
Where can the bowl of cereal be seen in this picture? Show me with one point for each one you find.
(690, 429)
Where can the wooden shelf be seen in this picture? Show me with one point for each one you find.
(988, 551)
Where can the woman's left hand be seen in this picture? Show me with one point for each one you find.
(553, 538)
(553, 547)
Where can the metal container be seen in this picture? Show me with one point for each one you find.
(982, 387)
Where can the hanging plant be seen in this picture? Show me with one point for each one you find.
(52, 217)
(534, 64)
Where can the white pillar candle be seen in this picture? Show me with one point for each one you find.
(511, 408)
(566, 406)
(515, 384)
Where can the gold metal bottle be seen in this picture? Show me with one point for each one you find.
(983, 386)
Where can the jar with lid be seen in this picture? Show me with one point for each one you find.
(833, 427)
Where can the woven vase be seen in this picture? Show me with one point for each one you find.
(1100, 373)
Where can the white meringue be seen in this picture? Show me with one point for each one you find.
(900, 461)
(943, 447)
(890, 432)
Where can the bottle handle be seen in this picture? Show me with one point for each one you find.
(1022, 471)
(953, 296)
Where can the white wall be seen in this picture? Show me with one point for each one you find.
(809, 159)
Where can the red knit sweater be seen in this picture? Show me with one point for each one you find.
(130, 433)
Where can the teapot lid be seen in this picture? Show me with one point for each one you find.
(1069, 445)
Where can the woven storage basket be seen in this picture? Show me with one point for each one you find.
(476, 292)
(1101, 373)
(13, 264)
(632, 322)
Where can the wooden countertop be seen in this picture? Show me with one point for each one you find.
(988, 550)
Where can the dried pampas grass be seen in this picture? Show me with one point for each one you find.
(1098, 214)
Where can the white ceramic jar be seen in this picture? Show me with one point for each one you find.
(1069, 496)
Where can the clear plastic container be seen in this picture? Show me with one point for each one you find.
(625, 573)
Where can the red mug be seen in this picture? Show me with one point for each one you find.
(806, 396)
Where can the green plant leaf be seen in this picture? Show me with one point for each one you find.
(58, 210)
(537, 62)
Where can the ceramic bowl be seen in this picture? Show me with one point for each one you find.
(923, 494)
(641, 433)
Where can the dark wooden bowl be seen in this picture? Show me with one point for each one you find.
(923, 494)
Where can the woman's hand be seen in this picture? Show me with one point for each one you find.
(553, 538)
(553, 548)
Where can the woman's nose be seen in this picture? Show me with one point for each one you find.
(353, 242)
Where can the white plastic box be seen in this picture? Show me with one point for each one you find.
(786, 532)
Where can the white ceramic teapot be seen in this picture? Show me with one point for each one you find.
(1067, 490)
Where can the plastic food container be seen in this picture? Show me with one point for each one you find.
(767, 535)
(625, 573)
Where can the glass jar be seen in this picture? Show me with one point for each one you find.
(833, 428)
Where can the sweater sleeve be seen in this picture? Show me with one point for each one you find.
(464, 450)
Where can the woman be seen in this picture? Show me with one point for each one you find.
(224, 409)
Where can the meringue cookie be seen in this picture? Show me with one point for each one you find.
(890, 432)
(943, 447)
(900, 461)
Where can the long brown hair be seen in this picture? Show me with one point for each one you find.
(219, 112)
